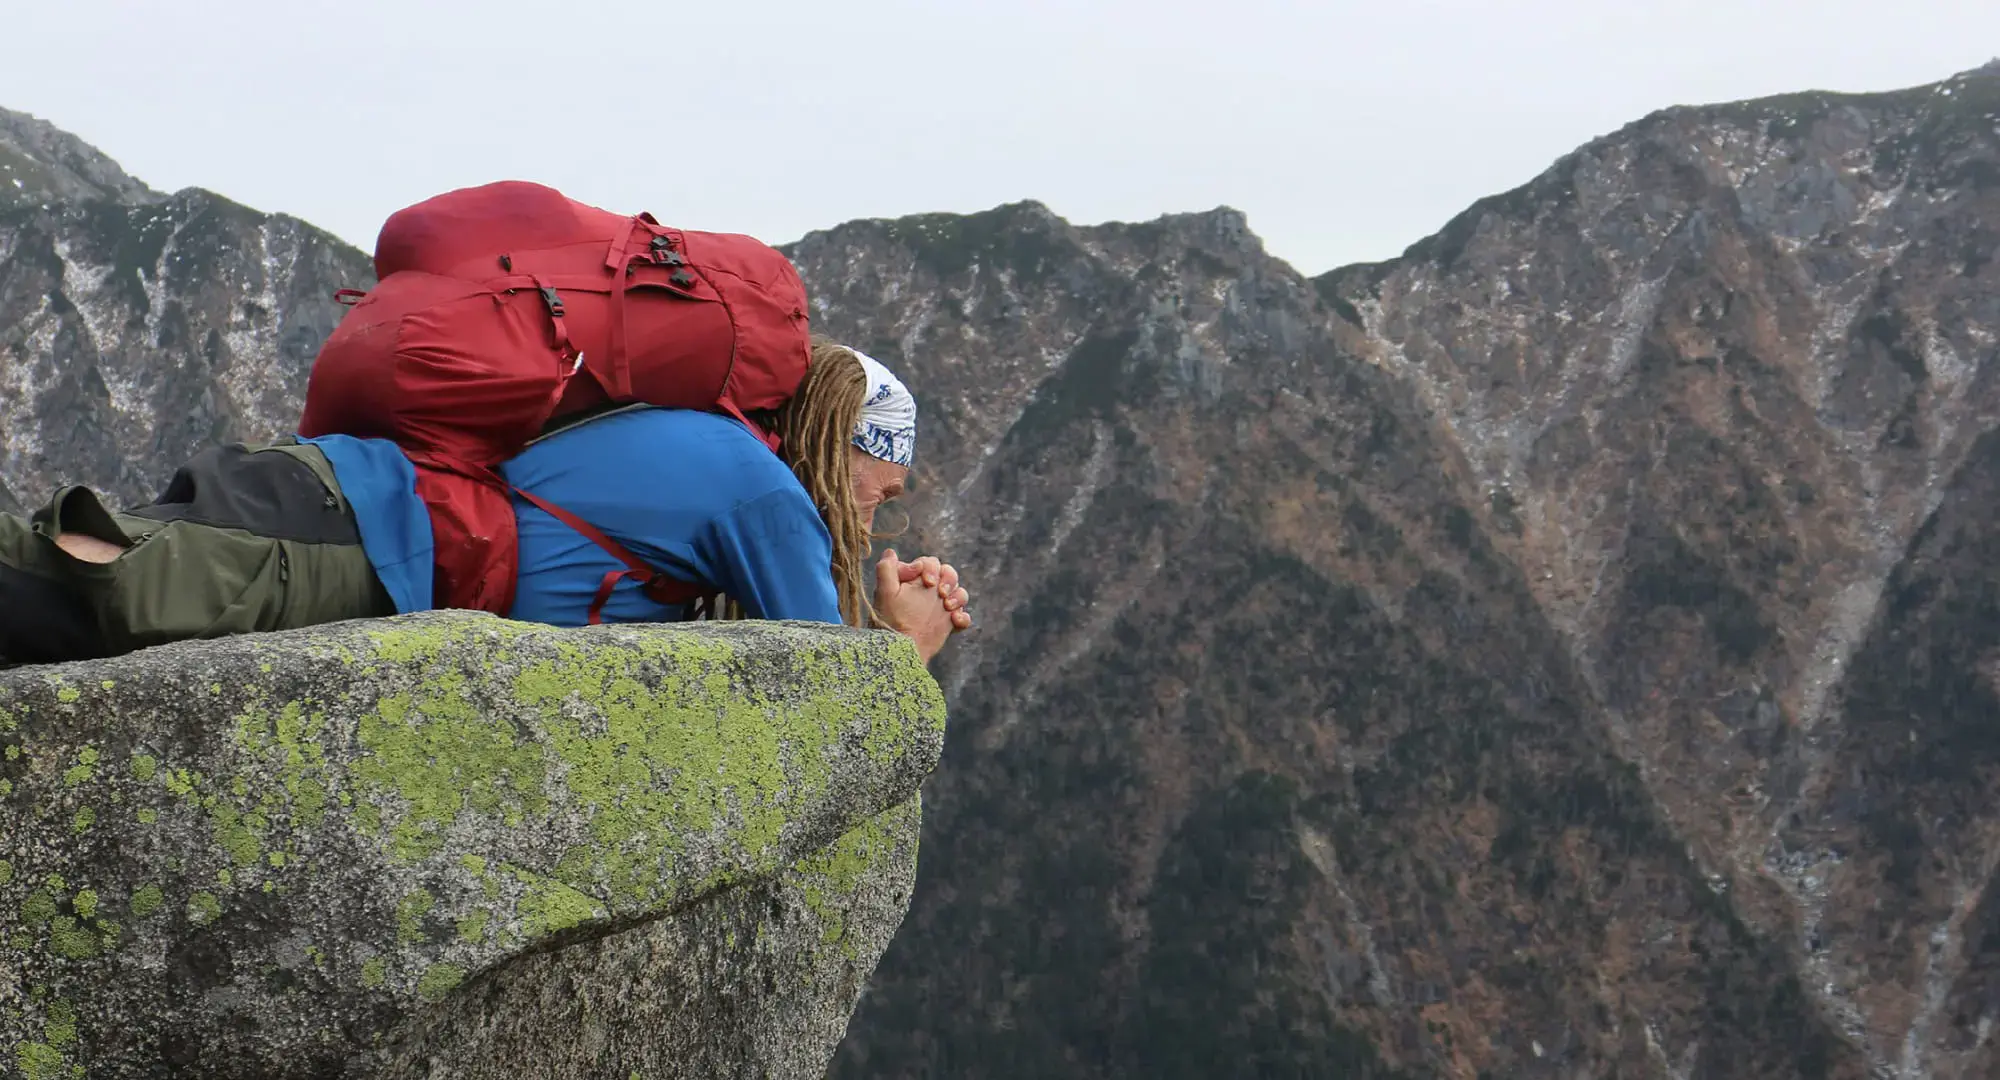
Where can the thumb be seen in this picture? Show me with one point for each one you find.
(886, 571)
(905, 572)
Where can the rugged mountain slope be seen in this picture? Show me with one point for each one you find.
(136, 327)
(1572, 648)
(1478, 662)
(1727, 380)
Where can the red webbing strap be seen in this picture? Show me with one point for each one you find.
(661, 588)
(770, 438)
(590, 283)
(470, 575)
(618, 260)
(553, 301)
(569, 358)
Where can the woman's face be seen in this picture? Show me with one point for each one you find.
(875, 482)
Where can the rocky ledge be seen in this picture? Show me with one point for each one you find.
(452, 846)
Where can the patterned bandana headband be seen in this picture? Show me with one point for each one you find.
(888, 426)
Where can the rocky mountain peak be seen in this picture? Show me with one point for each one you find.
(40, 163)
(136, 327)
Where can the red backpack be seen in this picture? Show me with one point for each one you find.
(502, 308)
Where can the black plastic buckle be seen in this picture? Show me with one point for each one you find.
(554, 302)
(682, 279)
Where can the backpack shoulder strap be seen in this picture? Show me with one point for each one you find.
(558, 425)
(659, 587)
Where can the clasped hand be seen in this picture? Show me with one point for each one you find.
(923, 599)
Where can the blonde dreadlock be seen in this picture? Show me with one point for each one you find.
(816, 428)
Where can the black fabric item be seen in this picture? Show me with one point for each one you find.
(75, 509)
(43, 618)
(273, 495)
(43, 621)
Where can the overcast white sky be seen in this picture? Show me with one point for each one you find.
(1346, 130)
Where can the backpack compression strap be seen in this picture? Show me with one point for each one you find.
(661, 588)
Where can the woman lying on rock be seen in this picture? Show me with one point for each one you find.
(322, 530)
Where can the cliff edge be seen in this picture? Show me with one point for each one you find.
(452, 846)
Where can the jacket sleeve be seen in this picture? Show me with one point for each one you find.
(775, 557)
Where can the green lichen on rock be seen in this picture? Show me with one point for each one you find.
(43, 1061)
(439, 980)
(203, 908)
(147, 900)
(440, 756)
(38, 908)
(239, 833)
(86, 764)
(549, 907)
(366, 817)
(832, 875)
(410, 913)
(71, 939)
